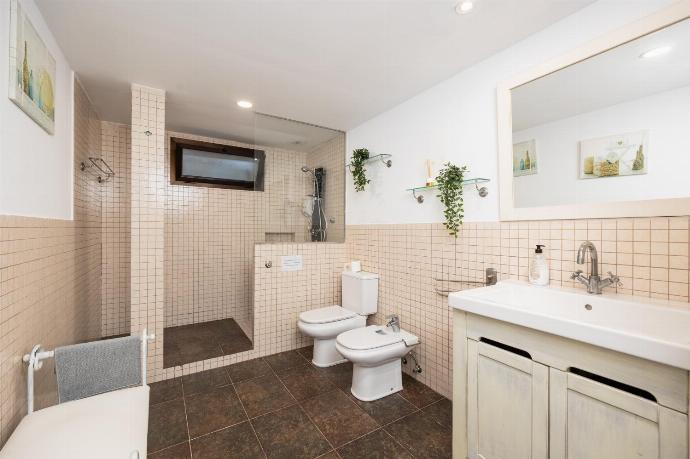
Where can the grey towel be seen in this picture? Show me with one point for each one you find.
(97, 367)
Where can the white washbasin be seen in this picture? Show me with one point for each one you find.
(657, 330)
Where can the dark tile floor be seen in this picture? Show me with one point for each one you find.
(281, 406)
(206, 340)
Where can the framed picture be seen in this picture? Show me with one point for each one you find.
(32, 70)
(614, 156)
(525, 158)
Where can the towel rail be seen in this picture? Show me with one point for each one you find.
(36, 357)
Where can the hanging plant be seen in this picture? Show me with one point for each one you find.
(359, 157)
(449, 183)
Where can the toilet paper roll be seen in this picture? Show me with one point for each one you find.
(354, 266)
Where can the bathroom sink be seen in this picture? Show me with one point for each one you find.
(657, 330)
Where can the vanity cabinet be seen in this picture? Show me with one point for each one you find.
(524, 394)
(591, 420)
(507, 412)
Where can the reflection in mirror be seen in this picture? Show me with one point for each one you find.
(614, 127)
(305, 177)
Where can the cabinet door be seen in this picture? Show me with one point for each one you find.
(591, 420)
(507, 412)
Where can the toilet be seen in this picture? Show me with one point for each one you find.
(359, 299)
(375, 352)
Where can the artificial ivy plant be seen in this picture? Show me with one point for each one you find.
(449, 183)
(359, 157)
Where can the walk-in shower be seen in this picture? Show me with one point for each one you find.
(314, 207)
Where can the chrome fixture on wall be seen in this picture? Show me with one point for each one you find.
(99, 168)
(594, 283)
(319, 225)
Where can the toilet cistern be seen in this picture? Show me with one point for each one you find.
(393, 321)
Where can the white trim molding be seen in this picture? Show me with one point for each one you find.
(647, 208)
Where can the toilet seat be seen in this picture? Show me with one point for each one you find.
(326, 315)
(324, 324)
(374, 337)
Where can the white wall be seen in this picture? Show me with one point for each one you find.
(456, 120)
(35, 167)
(666, 117)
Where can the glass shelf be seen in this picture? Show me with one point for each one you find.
(385, 158)
(472, 181)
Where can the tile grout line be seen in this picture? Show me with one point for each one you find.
(186, 420)
(299, 405)
(245, 413)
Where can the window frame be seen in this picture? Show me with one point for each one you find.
(177, 145)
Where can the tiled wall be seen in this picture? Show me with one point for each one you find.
(148, 219)
(210, 235)
(650, 256)
(279, 297)
(50, 291)
(115, 230)
(331, 156)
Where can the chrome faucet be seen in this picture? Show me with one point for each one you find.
(393, 321)
(595, 284)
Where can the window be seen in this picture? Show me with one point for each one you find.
(193, 162)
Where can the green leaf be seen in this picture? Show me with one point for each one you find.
(449, 183)
(359, 156)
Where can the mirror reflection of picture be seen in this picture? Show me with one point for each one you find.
(524, 158)
(614, 156)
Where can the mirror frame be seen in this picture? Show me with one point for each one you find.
(649, 208)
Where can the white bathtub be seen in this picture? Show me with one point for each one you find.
(110, 425)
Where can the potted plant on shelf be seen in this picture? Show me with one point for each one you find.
(359, 157)
(449, 182)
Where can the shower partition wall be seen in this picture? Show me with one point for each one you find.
(210, 232)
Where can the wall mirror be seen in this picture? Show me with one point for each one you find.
(603, 132)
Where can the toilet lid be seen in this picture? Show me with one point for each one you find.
(372, 337)
(326, 315)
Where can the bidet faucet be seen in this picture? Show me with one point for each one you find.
(393, 321)
(595, 284)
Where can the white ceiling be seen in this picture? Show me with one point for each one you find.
(610, 78)
(334, 63)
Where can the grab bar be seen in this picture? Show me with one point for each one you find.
(35, 362)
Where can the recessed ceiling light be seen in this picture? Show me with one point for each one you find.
(655, 52)
(244, 104)
(464, 6)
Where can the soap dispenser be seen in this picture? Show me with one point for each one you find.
(539, 268)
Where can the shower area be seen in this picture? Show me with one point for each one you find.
(211, 229)
(286, 186)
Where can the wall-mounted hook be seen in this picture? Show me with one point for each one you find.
(148, 133)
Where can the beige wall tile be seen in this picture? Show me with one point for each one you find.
(50, 279)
